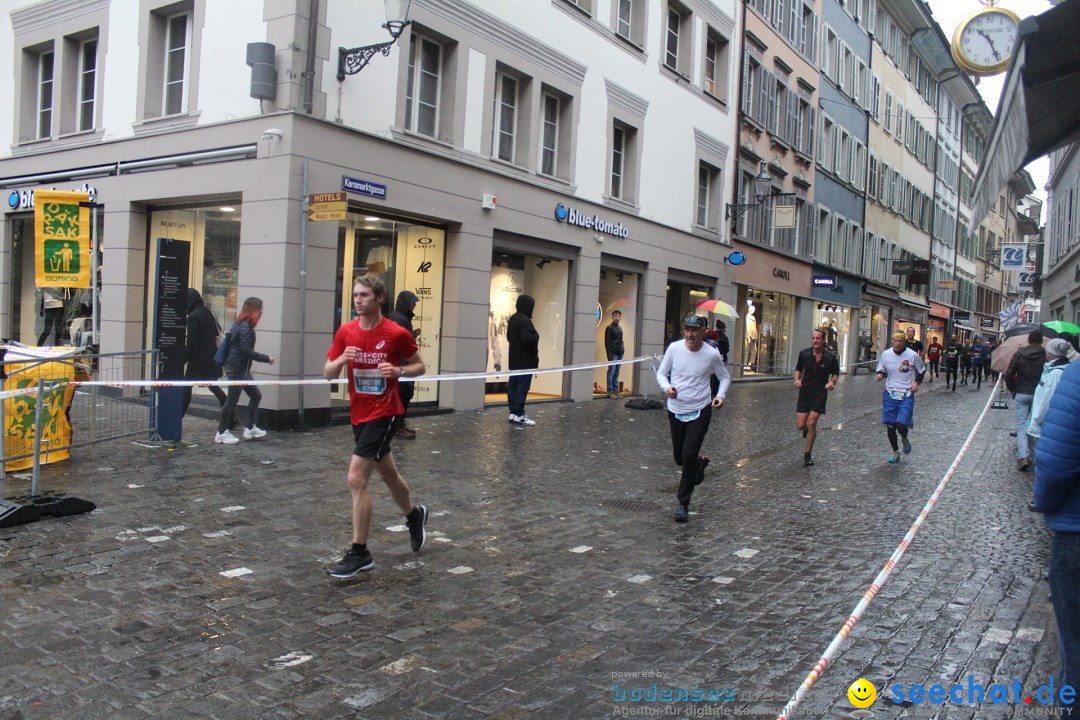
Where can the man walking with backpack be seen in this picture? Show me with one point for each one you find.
(1022, 378)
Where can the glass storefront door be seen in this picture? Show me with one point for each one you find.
(618, 291)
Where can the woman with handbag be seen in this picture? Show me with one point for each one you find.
(238, 367)
(202, 334)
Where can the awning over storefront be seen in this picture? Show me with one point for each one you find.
(1039, 109)
(880, 292)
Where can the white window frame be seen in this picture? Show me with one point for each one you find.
(87, 104)
(169, 51)
(45, 101)
(416, 75)
(549, 146)
(505, 125)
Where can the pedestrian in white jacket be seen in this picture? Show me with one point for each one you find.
(1057, 351)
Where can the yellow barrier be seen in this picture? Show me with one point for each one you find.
(56, 367)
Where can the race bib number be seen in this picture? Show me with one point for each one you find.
(368, 382)
(687, 417)
(898, 394)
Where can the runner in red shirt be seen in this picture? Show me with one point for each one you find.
(933, 355)
(376, 352)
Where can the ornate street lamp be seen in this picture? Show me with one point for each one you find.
(762, 186)
(353, 60)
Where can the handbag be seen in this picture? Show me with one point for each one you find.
(223, 349)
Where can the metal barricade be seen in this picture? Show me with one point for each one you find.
(43, 417)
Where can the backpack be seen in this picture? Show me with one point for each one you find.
(223, 349)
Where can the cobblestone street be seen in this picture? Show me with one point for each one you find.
(553, 578)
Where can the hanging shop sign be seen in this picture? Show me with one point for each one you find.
(573, 216)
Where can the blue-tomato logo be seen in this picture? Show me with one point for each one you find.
(561, 212)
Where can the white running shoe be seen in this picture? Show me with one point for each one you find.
(254, 432)
(226, 438)
(525, 420)
(514, 418)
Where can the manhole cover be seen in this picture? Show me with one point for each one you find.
(631, 505)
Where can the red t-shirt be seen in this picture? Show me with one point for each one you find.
(933, 351)
(371, 396)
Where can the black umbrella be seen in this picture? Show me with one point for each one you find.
(1022, 329)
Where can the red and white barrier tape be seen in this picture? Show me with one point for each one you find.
(883, 576)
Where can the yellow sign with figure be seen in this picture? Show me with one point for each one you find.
(62, 239)
(20, 412)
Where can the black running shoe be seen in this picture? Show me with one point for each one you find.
(353, 563)
(807, 461)
(805, 432)
(703, 462)
(416, 520)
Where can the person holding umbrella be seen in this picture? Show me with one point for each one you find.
(1022, 378)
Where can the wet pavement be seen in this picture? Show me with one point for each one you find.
(553, 581)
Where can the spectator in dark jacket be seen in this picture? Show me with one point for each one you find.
(403, 315)
(238, 367)
(524, 354)
(202, 334)
(615, 348)
(1057, 496)
(1022, 377)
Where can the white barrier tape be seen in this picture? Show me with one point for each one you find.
(883, 576)
(345, 381)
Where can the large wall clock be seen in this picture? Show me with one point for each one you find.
(983, 42)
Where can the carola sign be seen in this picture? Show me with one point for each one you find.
(590, 222)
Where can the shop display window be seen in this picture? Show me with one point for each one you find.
(834, 321)
(547, 281)
(768, 323)
(682, 300)
(28, 321)
(404, 256)
(618, 291)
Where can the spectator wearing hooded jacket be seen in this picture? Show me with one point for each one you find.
(1021, 378)
(403, 314)
(202, 333)
(524, 354)
(1057, 351)
(1057, 496)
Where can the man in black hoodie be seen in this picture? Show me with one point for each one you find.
(403, 314)
(524, 354)
(1022, 378)
(202, 334)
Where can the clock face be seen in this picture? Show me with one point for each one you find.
(984, 42)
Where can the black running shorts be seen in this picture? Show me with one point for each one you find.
(812, 400)
(373, 437)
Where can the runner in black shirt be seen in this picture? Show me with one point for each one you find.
(953, 351)
(816, 374)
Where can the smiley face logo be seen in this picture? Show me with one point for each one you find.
(862, 693)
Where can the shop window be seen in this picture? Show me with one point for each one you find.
(28, 317)
(618, 291)
(546, 280)
(834, 321)
(768, 323)
(404, 256)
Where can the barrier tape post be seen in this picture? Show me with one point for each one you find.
(883, 576)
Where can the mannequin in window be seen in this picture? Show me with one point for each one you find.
(830, 336)
(52, 309)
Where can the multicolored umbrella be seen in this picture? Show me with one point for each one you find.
(718, 307)
(1060, 327)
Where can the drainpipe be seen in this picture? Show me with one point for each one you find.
(309, 69)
